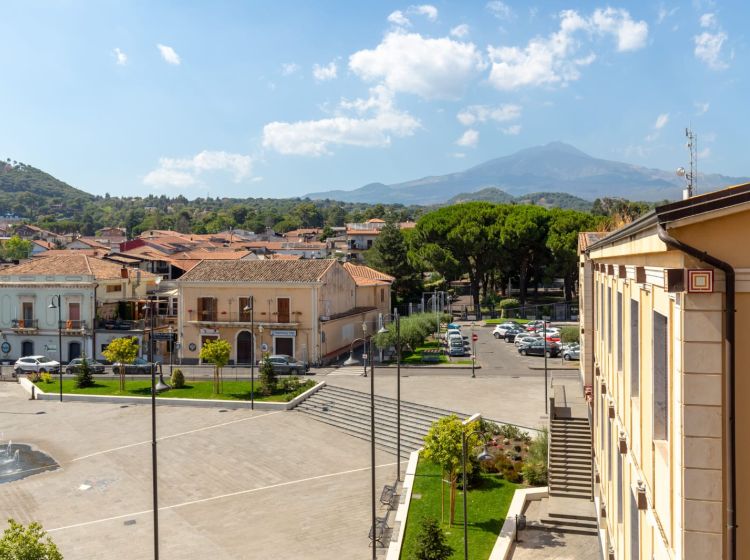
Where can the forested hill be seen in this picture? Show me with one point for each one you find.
(30, 192)
(546, 199)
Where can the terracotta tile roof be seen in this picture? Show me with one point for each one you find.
(87, 252)
(91, 242)
(204, 254)
(302, 271)
(366, 276)
(43, 243)
(74, 264)
(586, 238)
(282, 257)
(375, 221)
(362, 232)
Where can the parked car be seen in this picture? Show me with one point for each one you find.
(138, 367)
(35, 364)
(453, 333)
(539, 348)
(572, 353)
(500, 329)
(75, 364)
(525, 339)
(456, 349)
(286, 364)
(510, 334)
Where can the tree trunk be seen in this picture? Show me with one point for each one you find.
(452, 505)
(568, 284)
(522, 279)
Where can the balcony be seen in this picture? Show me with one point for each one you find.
(132, 325)
(72, 325)
(25, 324)
(234, 318)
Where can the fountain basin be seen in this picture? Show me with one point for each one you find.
(19, 460)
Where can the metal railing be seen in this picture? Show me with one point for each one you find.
(241, 317)
(25, 324)
(72, 325)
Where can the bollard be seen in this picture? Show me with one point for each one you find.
(33, 392)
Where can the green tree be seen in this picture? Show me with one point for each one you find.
(216, 352)
(267, 377)
(431, 542)
(16, 248)
(523, 237)
(443, 447)
(84, 376)
(121, 351)
(389, 254)
(562, 242)
(27, 543)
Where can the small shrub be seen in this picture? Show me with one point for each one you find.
(47, 377)
(267, 377)
(507, 303)
(290, 384)
(177, 379)
(34, 376)
(431, 543)
(535, 468)
(570, 334)
(488, 427)
(84, 376)
(509, 431)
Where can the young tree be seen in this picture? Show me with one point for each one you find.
(84, 377)
(267, 377)
(443, 446)
(431, 544)
(122, 351)
(216, 352)
(27, 543)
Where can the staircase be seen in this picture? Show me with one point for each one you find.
(570, 458)
(349, 411)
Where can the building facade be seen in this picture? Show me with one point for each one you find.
(665, 302)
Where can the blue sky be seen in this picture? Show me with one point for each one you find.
(277, 99)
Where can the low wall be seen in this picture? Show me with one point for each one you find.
(166, 401)
(394, 549)
(503, 548)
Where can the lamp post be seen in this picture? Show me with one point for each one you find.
(249, 307)
(382, 330)
(483, 456)
(351, 360)
(473, 351)
(161, 386)
(545, 318)
(59, 335)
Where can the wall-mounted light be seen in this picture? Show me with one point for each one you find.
(623, 443)
(641, 496)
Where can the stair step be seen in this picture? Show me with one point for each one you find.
(559, 521)
(569, 494)
(576, 516)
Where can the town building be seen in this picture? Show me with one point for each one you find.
(666, 302)
(310, 309)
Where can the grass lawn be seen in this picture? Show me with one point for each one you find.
(488, 505)
(416, 356)
(233, 390)
(498, 321)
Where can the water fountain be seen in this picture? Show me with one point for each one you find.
(18, 460)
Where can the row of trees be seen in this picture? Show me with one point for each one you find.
(490, 243)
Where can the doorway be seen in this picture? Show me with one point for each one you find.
(27, 348)
(74, 350)
(244, 348)
(284, 346)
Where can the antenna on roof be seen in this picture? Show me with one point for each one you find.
(691, 176)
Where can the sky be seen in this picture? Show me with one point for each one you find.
(279, 99)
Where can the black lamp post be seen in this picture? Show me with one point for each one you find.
(483, 456)
(249, 307)
(58, 306)
(382, 330)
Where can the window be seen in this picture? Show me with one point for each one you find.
(609, 444)
(113, 288)
(242, 304)
(635, 536)
(207, 309)
(27, 311)
(601, 310)
(661, 377)
(619, 331)
(282, 310)
(619, 486)
(635, 356)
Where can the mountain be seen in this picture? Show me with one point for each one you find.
(29, 192)
(546, 199)
(555, 167)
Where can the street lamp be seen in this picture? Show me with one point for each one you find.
(351, 360)
(473, 351)
(382, 330)
(249, 307)
(58, 306)
(483, 456)
(155, 388)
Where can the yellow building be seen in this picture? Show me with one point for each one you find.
(665, 364)
(310, 309)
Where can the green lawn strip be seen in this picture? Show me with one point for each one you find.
(232, 390)
(488, 505)
(499, 321)
(416, 356)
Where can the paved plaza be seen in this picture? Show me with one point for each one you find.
(234, 484)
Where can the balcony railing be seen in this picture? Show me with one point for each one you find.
(72, 325)
(236, 317)
(24, 324)
(130, 325)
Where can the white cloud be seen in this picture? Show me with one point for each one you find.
(482, 113)
(408, 62)
(701, 108)
(665, 13)
(168, 54)
(554, 60)
(184, 172)
(512, 130)
(661, 120)
(500, 10)
(469, 139)
(398, 18)
(708, 49)
(704, 153)
(324, 73)
(289, 68)
(120, 57)
(460, 31)
(708, 20)
(375, 120)
(427, 10)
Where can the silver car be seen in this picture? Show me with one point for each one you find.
(286, 364)
(35, 364)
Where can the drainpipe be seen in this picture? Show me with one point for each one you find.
(729, 323)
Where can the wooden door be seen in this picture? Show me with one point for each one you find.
(244, 348)
(282, 310)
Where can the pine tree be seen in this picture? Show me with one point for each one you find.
(389, 254)
(431, 543)
(84, 377)
(267, 377)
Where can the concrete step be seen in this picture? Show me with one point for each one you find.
(569, 494)
(574, 516)
(569, 527)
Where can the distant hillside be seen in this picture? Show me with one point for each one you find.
(555, 167)
(546, 199)
(30, 192)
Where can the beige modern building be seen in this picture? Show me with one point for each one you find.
(666, 307)
(310, 309)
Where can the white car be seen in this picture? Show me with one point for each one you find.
(499, 331)
(35, 364)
